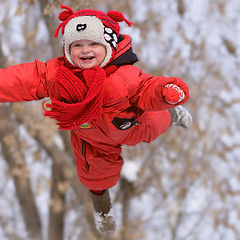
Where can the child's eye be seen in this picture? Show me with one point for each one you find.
(95, 43)
(76, 45)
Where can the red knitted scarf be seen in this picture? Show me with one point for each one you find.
(80, 96)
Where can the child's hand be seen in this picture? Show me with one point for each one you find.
(173, 94)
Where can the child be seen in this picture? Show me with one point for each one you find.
(95, 91)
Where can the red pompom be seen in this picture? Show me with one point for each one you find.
(64, 15)
(118, 17)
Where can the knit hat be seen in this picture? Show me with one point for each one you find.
(91, 25)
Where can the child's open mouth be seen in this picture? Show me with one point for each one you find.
(87, 58)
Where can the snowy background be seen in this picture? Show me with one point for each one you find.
(186, 184)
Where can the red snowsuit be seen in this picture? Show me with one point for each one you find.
(134, 111)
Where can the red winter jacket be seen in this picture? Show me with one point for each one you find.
(134, 111)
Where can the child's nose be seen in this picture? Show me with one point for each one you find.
(85, 48)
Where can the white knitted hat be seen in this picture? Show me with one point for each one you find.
(91, 25)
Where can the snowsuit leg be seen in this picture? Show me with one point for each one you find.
(152, 125)
(98, 151)
(98, 165)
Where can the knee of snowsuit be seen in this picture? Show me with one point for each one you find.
(98, 166)
(98, 152)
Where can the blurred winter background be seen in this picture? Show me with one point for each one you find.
(183, 186)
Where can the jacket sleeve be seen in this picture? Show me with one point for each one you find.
(23, 82)
(147, 91)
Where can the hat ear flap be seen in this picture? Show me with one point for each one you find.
(118, 17)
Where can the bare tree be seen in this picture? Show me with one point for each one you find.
(190, 178)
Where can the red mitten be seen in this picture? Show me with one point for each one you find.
(173, 94)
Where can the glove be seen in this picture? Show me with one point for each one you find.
(173, 94)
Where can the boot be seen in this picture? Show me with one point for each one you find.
(103, 215)
(180, 116)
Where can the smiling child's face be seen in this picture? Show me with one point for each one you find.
(87, 54)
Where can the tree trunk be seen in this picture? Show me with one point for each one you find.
(57, 205)
(125, 188)
(51, 25)
(19, 170)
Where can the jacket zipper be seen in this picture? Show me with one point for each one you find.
(84, 146)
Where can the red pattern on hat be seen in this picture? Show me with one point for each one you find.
(110, 19)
